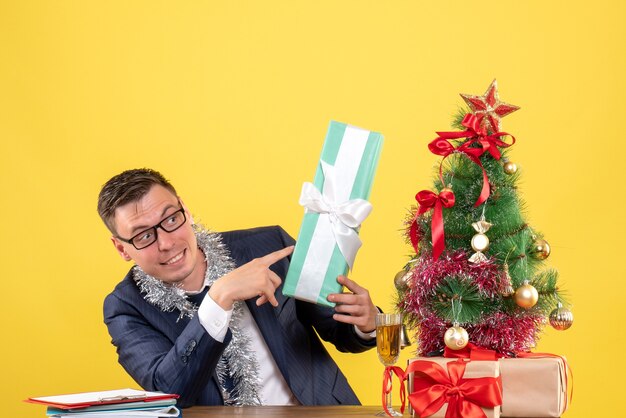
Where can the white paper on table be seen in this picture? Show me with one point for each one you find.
(99, 397)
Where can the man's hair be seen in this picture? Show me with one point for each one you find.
(126, 187)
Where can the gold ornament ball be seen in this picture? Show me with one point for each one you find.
(541, 249)
(561, 318)
(480, 242)
(456, 338)
(401, 280)
(526, 296)
(510, 167)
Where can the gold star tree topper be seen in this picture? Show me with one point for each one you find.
(488, 108)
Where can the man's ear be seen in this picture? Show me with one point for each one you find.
(120, 248)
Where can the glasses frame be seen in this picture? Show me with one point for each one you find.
(155, 228)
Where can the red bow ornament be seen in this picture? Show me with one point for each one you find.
(433, 387)
(476, 135)
(428, 200)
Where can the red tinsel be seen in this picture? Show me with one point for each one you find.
(507, 333)
(430, 332)
(499, 331)
(428, 274)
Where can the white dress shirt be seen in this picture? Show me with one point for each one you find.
(274, 388)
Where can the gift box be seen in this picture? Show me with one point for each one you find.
(533, 387)
(335, 205)
(438, 383)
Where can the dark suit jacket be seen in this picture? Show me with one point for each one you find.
(180, 357)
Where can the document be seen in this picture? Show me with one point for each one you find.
(91, 399)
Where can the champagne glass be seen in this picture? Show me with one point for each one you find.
(388, 328)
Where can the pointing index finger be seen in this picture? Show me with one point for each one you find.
(271, 258)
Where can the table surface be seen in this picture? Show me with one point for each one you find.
(282, 411)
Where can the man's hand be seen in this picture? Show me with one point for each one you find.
(354, 308)
(252, 279)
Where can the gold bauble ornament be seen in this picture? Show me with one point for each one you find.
(541, 249)
(509, 167)
(561, 318)
(456, 337)
(526, 295)
(401, 280)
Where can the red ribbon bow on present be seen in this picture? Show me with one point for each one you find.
(433, 387)
(387, 386)
(472, 352)
(428, 200)
(476, 135)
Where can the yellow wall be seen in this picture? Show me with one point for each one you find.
(231, 101)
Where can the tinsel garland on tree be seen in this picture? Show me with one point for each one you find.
(477, 264)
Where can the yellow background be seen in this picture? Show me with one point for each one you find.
(231, 100)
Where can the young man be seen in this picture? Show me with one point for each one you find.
(202, 314)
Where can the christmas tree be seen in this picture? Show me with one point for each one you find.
(478, 269)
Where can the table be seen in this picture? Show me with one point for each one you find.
(282, 411)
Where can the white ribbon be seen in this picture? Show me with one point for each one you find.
(344, 217)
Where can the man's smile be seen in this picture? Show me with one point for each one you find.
(175, 259)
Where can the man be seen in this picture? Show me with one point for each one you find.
(202, 315)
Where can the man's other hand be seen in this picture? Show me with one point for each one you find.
(355, 307)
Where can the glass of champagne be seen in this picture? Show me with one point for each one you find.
(388, 328)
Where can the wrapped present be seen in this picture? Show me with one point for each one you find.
(534, 386)
(335, 206)
(454, 388)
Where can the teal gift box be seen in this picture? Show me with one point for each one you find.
(335, 205)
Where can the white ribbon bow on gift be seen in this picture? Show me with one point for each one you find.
(344, 217)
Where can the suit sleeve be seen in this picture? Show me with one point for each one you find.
(183, 366)
(341, 335)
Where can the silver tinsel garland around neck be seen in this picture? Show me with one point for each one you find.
(238, 362)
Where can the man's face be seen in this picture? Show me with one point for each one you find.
(174, 257)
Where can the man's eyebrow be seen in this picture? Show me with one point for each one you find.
(140, 228)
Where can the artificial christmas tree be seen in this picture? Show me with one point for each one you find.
(478, 265)
(476, 285)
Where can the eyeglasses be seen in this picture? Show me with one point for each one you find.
(149, 236)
